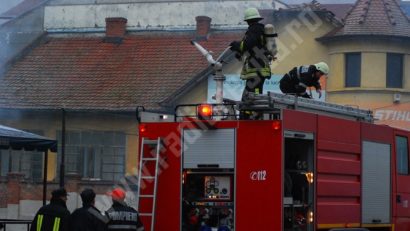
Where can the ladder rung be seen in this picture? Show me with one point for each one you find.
(146, 214)
(150, 142)
(147, 196)
(149, 159)
(147, 177)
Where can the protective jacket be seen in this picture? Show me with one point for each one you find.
(123, 218)
(298, 79)
(88, 218)
(257, 55)
(52, 217)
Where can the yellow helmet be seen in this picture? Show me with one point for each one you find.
(252, 13)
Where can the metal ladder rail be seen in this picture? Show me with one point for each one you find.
(275, 101)
(153, 177)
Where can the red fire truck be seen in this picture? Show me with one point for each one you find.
(306, 165)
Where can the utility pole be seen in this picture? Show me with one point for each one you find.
(62, 165)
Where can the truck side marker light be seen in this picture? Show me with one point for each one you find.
(309, 177)
(143, 128)
(276, 125)
(310, 217)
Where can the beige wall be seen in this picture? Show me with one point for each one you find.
(50, 122)
(372, 93)
(297, 43)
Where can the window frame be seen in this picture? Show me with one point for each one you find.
(389, 82)
(399, 161)
(349, 80)
(90, 152)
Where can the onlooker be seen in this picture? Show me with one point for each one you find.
(88, 218)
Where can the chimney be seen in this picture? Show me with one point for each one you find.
(115, 29)
(203, 26)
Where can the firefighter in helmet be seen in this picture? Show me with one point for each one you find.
(302, 77)
(256, 67)
(121, 216)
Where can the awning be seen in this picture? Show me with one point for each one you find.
(18, 139)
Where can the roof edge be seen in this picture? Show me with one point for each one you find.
(326, 39)
(171, 99)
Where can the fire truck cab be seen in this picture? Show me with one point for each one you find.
(306, 166)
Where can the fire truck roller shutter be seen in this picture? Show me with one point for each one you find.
(376, 183)
(209, 148)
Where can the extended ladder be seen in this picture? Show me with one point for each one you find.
(148, 178)
(274, 102)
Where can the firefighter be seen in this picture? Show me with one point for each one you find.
(299, 78)
(121, 216)
(256, 67)
(88, 218)
(54, 216)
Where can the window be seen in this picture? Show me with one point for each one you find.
(402, 155)
(394, 74)
(30, 163)
(95, 154)
(353, 69)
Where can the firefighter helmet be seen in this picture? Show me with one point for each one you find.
(252, 13)
(323, 67)
(118, 194)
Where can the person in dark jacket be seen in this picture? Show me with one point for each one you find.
(256, 67)
(54, 216)
(88, 218)
(122, 217)
(299, 78)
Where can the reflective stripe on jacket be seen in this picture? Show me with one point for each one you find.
(52, 217)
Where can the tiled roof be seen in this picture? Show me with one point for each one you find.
(316, 7)
(86, 73)
(339, 10)
(375, 17)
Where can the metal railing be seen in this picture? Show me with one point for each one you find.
(4, 223)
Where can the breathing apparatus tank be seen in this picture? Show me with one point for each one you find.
(270, 44)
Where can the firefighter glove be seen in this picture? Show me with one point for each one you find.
(235, 45)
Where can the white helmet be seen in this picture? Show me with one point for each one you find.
(252, 13)
(323, 67)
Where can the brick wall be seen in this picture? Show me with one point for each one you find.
(28, 196)
(3, 194)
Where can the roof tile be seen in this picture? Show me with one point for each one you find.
(375, 17)
(86, 73)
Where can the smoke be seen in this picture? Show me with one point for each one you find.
(6, 5)
(18, 29)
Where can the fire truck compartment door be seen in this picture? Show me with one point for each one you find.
(376, 183)
(209, 148)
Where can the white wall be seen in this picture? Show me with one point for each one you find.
(149, 15)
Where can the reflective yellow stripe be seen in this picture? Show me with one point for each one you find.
(56, 226)
(241, 47)
(252, 72)
(343, 225)
(39, 222)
